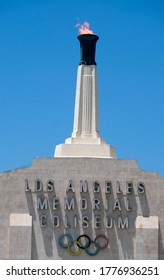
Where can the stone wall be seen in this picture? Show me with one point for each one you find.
(108, 197)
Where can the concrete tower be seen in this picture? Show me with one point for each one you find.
(86, 140)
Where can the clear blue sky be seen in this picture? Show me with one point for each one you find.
(39, 56)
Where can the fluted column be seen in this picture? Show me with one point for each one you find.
(86, 111)
(87, 102)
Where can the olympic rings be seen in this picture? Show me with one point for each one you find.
(69, 248)
(96, 243)
(106, 239)
(95, 252)
(87, 244)
(61, 239)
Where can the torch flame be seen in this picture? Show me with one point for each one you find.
(84, 28)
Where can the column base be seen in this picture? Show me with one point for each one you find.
(85, 147)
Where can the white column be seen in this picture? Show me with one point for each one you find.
(87, 102)
(85, 140)
(95, 121)
(86, 111)
(78, 102)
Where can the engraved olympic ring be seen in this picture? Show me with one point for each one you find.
(70, 244)
(80, 246)
(95, 252)
(61, 239)
(87, 244)
(104, 237)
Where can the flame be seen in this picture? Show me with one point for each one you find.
(84, 28)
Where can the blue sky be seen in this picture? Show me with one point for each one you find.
(39, 56)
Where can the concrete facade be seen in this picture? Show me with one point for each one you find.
(55, 196)
(147, 230)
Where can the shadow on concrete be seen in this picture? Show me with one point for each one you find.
(160, 245)
(60, 221)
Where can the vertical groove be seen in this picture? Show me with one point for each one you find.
(87, 102)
